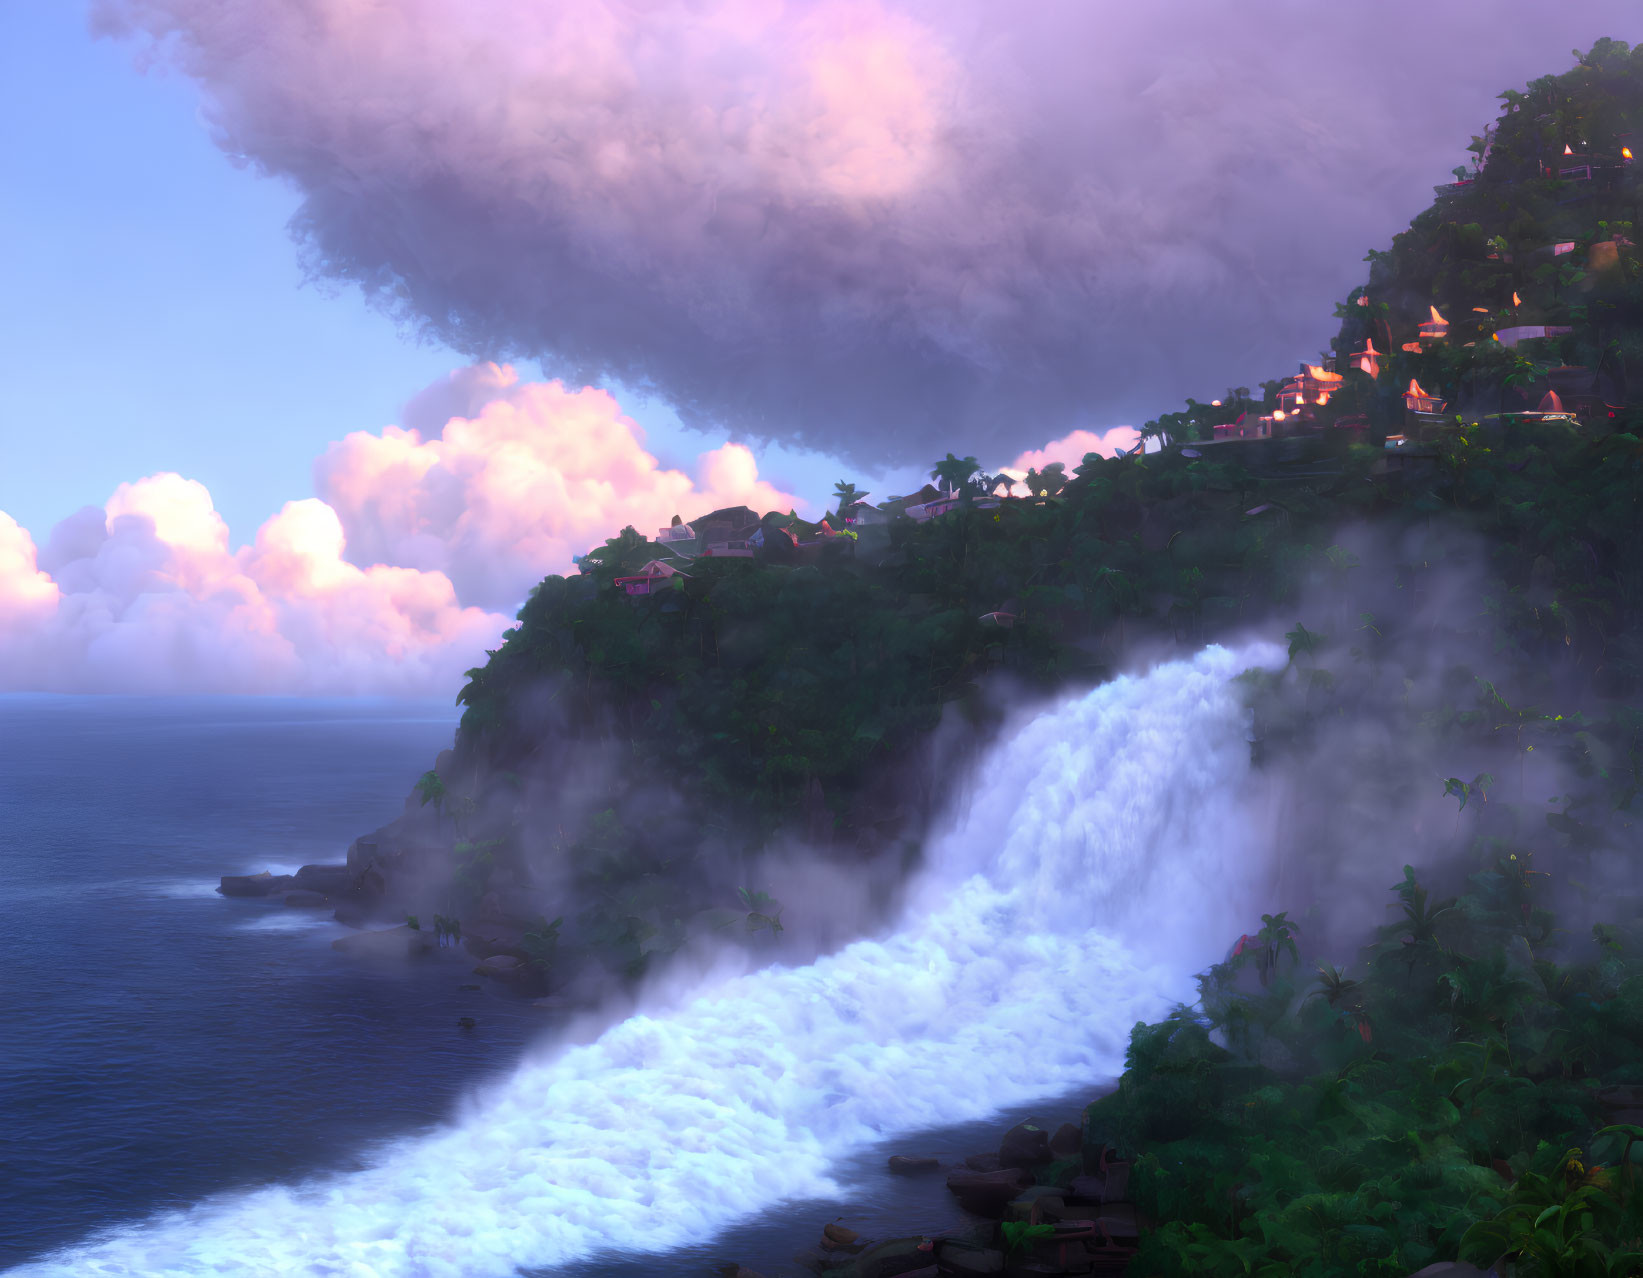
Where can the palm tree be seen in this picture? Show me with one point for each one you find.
(1277, 934)
(846, 495)
(1333, 985)
(955, 472)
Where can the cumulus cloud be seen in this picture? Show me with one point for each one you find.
(393, 581)
(519, 478)
(1071, 449)
(876, 228)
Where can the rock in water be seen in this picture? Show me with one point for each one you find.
(503, 967)
(306, 899)
(839, 1234)
(1025, 1145)
(905, 1164)
(330, 880)
(988, 1193)
(264, 884)
(393, 942)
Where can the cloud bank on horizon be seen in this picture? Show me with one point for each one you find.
(875, 228)
(420, 546)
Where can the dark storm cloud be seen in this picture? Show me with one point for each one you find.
(878, 229)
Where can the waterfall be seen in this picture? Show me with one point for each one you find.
(1107, 854)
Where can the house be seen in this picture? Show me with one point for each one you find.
(654, 576)
(930, 509)
(1314, 384)
(1244, 427)
(1527, 332)
(1434, 329)
(720, 526)
(1416, 400)
(903, 505)
(865, 516)
(678, 531)
(735, 548)
(1368, 360)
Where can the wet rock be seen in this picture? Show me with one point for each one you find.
(1068, 1142)
(906, 1164)
(328, 880)
(737, 1271)
(954, 1259)
(1025, 1145)
(837, 1233)
(982, 1162)
(1117, 1221)
(307, 900)
(894, 1258)
(392, 942)
(988, 1193)
(264, 884)
(501, 967)
(1029, 1206)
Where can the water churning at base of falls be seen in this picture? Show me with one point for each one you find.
(1106, 855)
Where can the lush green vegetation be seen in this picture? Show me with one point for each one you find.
(1473, 613)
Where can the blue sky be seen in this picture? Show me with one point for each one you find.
(157, 318)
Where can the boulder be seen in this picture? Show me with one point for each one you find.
(1118, 1222)
(1068, 1142)
(306, 899)
(982, 1162)
(328, 880)
(894, 1258)
(393, 942)
(1025, 1145)
(837, 1233)
(264, 884)
(955, 1259)
(503, 967)
(907, 1164)
(1034, 1204)
(1086, 1188)
(988, 1193)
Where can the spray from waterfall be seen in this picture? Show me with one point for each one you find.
(1106, 857)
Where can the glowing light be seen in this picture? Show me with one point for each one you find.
(1516, 300)
(1324, 398)
(1279, 415)
(1436, 318)
(1215, 403)
(1567, 149)
(1363, 299)
(1625, 153)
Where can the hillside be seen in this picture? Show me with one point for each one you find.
(1441, 519)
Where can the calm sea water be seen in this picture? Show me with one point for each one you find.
(160, 1043)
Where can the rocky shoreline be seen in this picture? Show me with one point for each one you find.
(1045, 1204)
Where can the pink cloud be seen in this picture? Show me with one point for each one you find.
(1070, 449)
(393, 581)
(533, 476)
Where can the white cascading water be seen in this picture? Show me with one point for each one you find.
(1105, 859)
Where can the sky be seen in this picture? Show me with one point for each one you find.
(336, 325)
